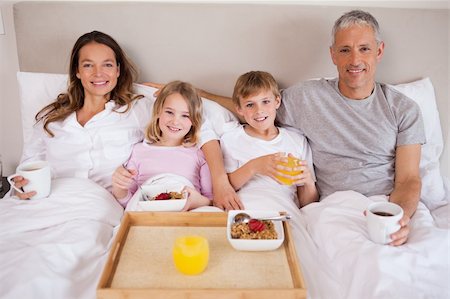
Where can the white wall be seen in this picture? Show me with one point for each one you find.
(11, 141)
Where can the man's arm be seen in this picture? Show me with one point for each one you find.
(221, 100)
(224, 195)
(407, 186)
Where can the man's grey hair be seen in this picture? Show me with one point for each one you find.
(356, 17)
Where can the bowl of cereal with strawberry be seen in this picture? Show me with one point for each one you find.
(256, 234)
(163, 193)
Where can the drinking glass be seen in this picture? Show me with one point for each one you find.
(191, 254)
(291, 163)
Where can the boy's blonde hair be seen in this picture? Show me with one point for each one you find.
(194, 103)
(252, 83)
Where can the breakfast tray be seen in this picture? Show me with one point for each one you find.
(140, 262)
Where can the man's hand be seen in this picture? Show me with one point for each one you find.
(400, 236)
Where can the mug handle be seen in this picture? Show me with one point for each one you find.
(12, 184)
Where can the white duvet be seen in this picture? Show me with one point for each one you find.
(56, 247)
(339, 260)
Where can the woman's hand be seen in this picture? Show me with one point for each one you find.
(19, 182)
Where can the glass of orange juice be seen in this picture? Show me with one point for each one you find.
(191, 254)
(291, 163)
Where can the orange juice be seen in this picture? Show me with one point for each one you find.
(191, 254)
(291, 162)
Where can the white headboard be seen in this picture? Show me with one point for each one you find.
(211, 44)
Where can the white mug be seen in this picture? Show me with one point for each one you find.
(38, 175)
(382, 221)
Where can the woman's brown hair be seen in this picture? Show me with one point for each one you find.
(73, 99)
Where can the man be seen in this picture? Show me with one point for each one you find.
(364, 135)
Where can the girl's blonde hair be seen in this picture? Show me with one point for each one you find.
(73, 99)
(194, 102)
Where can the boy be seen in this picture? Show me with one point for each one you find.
(253, 151)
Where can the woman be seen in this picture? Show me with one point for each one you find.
(90, 130)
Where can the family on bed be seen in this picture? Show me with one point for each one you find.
(350, 133)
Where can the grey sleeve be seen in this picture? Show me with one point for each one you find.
(410, 124)
(285, 115)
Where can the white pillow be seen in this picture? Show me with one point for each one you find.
(422, 92)
(36, 90)
(39, 89)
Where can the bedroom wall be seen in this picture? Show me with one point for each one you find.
(10, 124)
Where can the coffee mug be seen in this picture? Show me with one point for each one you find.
(382, 221)
(38, 175)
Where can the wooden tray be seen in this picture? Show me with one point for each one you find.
(140, 262)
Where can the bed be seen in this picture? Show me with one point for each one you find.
(61, 251)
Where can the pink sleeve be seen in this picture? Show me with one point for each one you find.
(124, 201)
(131, 164)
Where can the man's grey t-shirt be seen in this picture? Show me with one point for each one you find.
(353, 141)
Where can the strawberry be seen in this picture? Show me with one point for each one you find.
(256, 225)
(163, 196)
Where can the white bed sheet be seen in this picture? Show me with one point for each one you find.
(56, 247)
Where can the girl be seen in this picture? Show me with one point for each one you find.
(170, 147)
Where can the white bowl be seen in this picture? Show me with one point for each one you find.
(256, 245)
(168, 205)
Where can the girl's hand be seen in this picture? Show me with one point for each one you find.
(195, 199)
(122, 178)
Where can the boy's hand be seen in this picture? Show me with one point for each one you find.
(267, 165)
(305, 174)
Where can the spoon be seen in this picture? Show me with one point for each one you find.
(145, 196)
(245, 218)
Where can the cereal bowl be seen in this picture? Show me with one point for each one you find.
(256, 244)
(167, 205)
